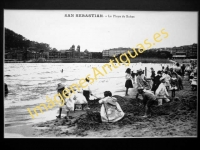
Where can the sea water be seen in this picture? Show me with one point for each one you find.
(30, 83)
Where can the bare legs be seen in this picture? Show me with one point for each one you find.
(126, 91)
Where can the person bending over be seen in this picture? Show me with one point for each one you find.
(148, 100)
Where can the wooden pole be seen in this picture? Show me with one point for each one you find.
(146, 71)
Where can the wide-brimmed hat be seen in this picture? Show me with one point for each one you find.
(60, 86)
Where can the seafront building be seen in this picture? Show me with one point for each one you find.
(186, 51)
(33, 53)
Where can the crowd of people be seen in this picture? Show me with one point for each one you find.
(153, 90)
(167, 79)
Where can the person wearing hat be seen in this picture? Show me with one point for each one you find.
(110, 109)
(60, 89)
(148, 100)
(69, 102)
(161, 92)
(128, 83)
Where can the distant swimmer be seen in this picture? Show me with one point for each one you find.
(62, 70)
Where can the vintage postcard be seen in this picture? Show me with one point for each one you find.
(100, 74)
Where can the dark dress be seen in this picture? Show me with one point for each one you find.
(86, 94)
(128, 83)
(153, 75)
(156, 82)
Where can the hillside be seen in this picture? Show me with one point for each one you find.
(17, 41)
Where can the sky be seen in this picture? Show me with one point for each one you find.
(100, 33)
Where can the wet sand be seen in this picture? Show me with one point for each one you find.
(176, 119)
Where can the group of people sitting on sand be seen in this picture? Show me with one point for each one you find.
(110, 109)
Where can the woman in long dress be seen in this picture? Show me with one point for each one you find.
(110, 109)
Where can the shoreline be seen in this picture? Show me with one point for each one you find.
(135, 60)
(106, 60)
(179, 123)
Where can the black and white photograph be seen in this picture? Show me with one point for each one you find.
(100, 73)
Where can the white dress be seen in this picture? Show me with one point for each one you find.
(70, 103)
(110, 113)
(161, 91)
(80, 99)
(167, 80)
(194, 81)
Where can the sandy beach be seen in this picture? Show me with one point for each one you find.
(175, 119)
(47, 51)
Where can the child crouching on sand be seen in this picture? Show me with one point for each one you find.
(110, 109)
(161, 92)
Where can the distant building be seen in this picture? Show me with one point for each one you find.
(186, 51)
(114, 52)
(71, 53)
